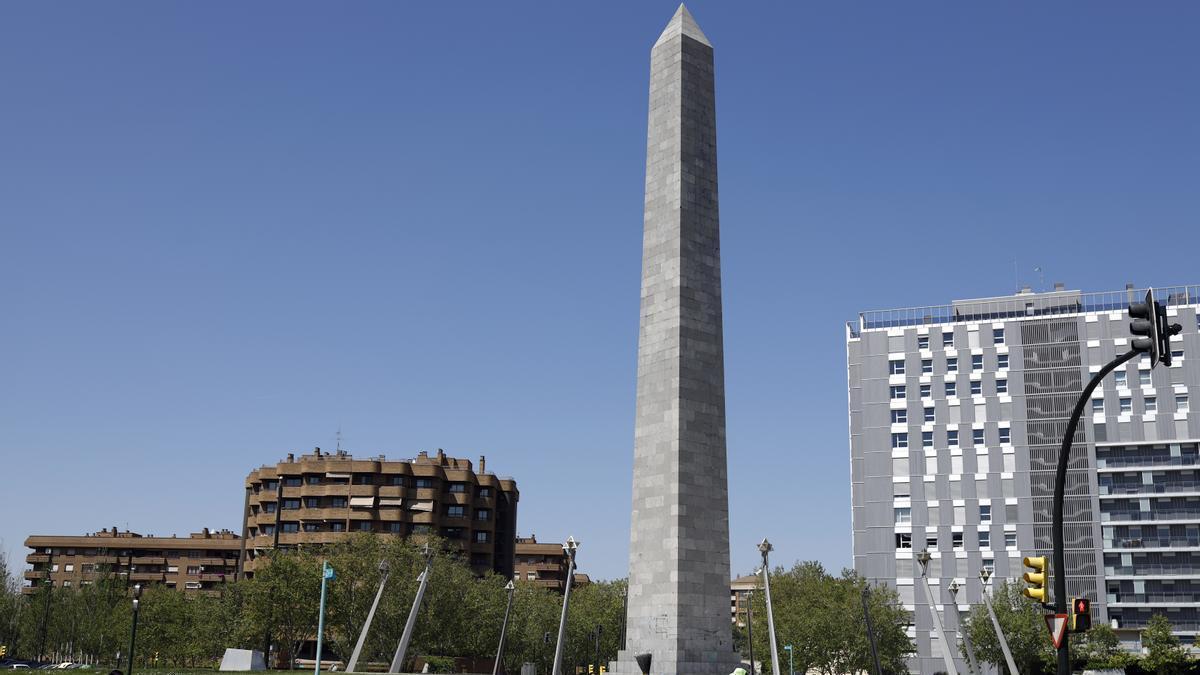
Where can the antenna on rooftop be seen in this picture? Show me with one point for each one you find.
(339, 439)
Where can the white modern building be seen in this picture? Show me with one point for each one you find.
(957, 414)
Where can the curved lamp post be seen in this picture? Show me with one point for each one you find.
(765, 548)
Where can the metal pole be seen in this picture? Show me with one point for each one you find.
(1008, 657)
(947, 654)
(137, 593)
(503, 629)
(624, 612)
(765, 548)
(791, 661)
(972, 664)
(750, 627)
(599, 628)
(362, 637)
(866, 602)
(569, 548)
(49, 586)
(326, 575)
(1059, 568)
(402, 648)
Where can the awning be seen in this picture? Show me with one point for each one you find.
(391, 501)
(362, 502)
(331, 474)
(421, 506)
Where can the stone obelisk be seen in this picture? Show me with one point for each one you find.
(679, 541)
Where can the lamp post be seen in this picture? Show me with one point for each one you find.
(791, 663)
(624, 611)
(569, 548)
(327, 575)
(750, 625)
(503, 628)
(765, 548)
(406, 636)
(966, 635)
(866, 603)
(599, 629)
(984, 575)
(947, 654)
(362, 637)
(137, 595)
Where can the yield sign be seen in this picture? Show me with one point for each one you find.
(1057, 624)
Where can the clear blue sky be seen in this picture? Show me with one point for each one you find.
(227, 229)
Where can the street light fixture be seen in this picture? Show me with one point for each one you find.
(137, 595)
(509, 588)
(569, 548)
(791, 664)
(765, 549)
(954, 587)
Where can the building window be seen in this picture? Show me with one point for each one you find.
(896, 367)
(897, 391)
(901, 490)
(1005, 435)
(423, 482)
(395, 480)
(931, 542)
(1010, 540)
(483, 514)
(312, 480)
(926, 439)
(422, 528)
(1097, 406)
(287, 528)
(364, 526)
(531, 576)
(900, 441)
(485, 492)
(956, 539)
(268, 529)
(929, 414)
(904, 540)
(337, 502)
(294, 481)
(69, 568)
(291, 504)
(482, 537)
(1001, 361)
(1176, 356)
(312, 502)
(976, 362)
(1151, 404)
(985, 539)
(363, 479)
(452, 532)
(1001, 386)
(337, 527)
(903, 515)
(926, 366)
(1126, 405)
(985, 513)
(977, 437)
(976, 387)
(1181, 401)
(312, 527)
(900, 416)
(926, 390)
(922, 342)
(951, 389)
(268, 507)
(951, 364)
(952, 438)
(997, 336)
(948, 339)
(1144, 378)
(989, 564)
(1121, 378)
(395, 528)
(457, 487)
(456, 511)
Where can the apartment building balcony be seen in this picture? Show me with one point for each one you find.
(1161, 516)
(1154, 544)
(1180, 488)
(207, 576)
(1152, 572)
(35, 575)
(34, 558)
(1154, 599)
(1109, 459)
(146, 576)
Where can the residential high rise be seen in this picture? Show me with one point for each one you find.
(203, 561)
(544, 564)
(679, 536)
(957, 413)
(317, 498)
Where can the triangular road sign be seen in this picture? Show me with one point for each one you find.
(1057, 624)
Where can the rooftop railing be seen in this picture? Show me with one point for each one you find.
(1051, 303)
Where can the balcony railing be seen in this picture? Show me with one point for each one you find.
(1152, 598)
(1143, 516)
(1153, 570)
(1155, 542)
(1189, 460)
(1152, 488)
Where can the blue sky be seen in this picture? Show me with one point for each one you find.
(229, 229)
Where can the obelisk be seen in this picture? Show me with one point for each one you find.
(678, 607)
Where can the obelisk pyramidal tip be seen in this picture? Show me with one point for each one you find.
(678, 607)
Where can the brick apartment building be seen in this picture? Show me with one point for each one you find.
(318, 497)
(544, 564)
(202, 561)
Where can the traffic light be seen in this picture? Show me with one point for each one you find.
(603, 670)
(1037, 578)
(1154, 333)
(3, 651)
(1081, 614)
(591, 669)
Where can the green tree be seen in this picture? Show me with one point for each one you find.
(281, 600)
(821, 616)
(1164, 654)
(1024, 629)
(1100, 649)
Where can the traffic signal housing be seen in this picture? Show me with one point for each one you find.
(1037, 578)
(1081, 614)
(1151, 330)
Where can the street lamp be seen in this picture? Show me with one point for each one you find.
(924, 557)
(750, 624)
(503, 628)
(954, 587)
(791, 664)
(569, 548)
(624, 612)
(984, 575)
(599, 629)
(137, 594)
(352, 666)
(765, 549)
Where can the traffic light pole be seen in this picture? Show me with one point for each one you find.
(1058, 568)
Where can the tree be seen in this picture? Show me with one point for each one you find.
(1023, 627)
(1100, 649)
(821, 616)
(1164, 654)
(282, 599)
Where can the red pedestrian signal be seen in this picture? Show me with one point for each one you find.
(1081, 614)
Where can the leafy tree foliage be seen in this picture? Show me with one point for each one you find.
(1164, 654)
(821, 616)
(1023, 626)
